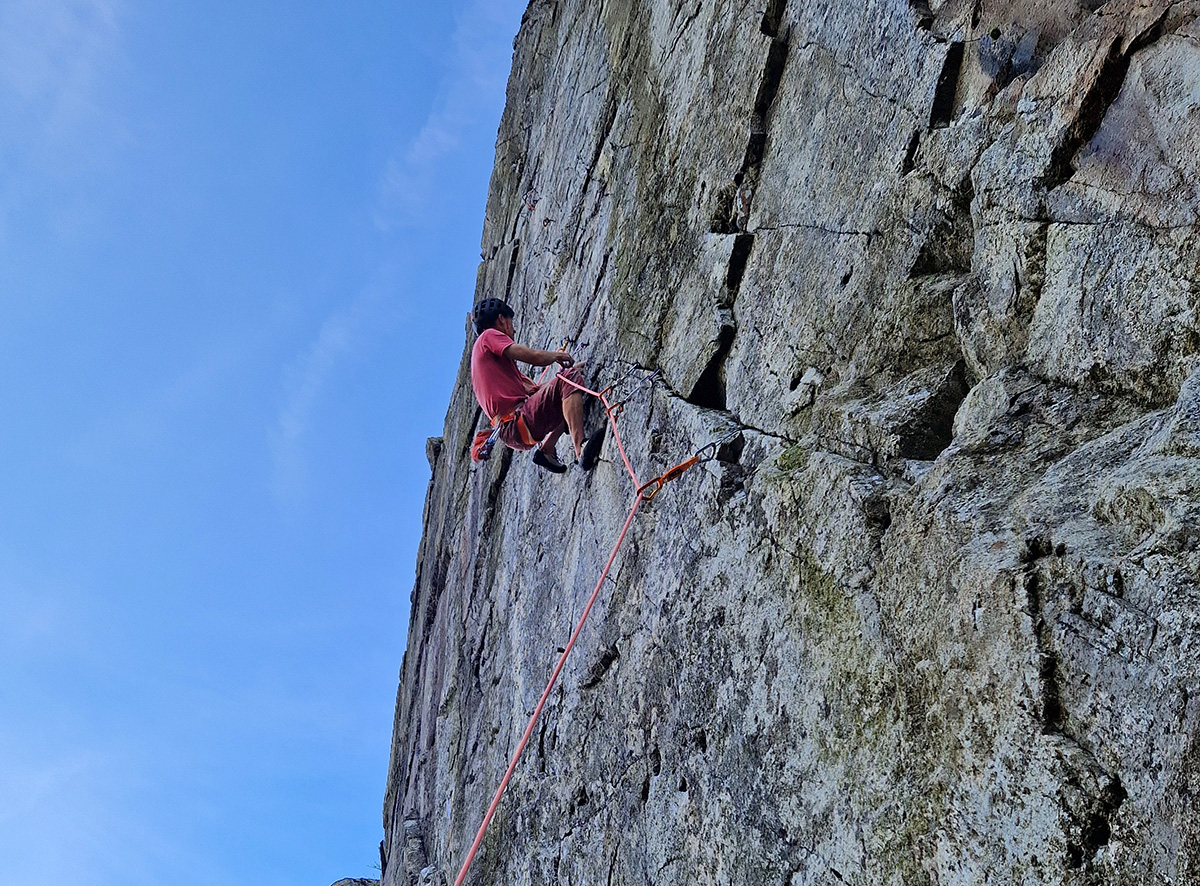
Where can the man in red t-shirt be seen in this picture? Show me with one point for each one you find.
(531, 415)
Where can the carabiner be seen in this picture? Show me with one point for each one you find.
(714, 447)
(648, 495)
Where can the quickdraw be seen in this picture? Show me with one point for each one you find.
(705, 453)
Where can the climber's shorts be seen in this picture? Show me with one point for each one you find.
(543, 410)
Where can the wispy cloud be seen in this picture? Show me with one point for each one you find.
(55, 128)
(152, 416)
(81, 812)
(42, 795)
(41, 615)
(306, 378)
(466, 103)
(69, 790)
(51, 53)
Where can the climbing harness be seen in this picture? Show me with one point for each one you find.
(643, 492)
(481, 447)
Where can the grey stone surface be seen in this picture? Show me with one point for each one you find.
(931, 615)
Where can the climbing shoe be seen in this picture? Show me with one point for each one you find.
(546, 460)
(591, 450)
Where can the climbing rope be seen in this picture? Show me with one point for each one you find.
(644, 492)
(612, 411)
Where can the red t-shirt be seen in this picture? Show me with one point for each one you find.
(499, 385)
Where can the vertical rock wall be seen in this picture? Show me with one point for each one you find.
(931, 616)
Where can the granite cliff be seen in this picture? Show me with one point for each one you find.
(931, 616)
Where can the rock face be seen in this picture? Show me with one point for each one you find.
(931, 615)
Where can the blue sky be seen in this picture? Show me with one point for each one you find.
(237, 244)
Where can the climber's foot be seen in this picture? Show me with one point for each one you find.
(547, 460)
(591, 449)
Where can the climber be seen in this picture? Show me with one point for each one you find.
(527, 415)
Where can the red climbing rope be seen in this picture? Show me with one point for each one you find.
(487, 818)
(612, 411)
(644, 492)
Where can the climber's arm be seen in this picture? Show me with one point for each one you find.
(534, 357)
